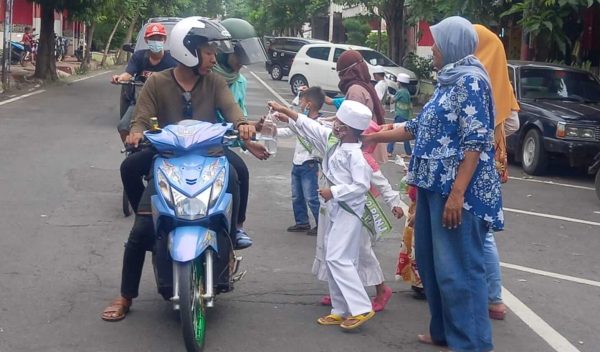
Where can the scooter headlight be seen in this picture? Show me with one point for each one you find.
(191, 208)
(217, 187)
(165, 188)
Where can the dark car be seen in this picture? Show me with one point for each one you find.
(281, 52)
(560, 115)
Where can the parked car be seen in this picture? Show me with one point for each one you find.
(315, 65)
(560, 115)
(281, 52)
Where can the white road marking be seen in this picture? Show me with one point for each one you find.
(551, 274)
(8, 101)
(283, 101)
(551, 183)
(549, 216)
(92, 76)
(558, 342)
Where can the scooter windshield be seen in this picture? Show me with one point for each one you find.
(188, 135)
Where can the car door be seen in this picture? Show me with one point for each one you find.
(317, 65)
(290, 49)
(332, 78)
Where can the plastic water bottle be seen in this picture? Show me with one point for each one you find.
(268, 134)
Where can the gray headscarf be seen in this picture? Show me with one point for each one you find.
(457, 40)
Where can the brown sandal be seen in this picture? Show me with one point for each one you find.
(117, 310)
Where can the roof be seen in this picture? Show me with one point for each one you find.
(538, 64)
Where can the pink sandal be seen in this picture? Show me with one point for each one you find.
(387, 295)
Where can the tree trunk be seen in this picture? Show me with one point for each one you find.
(110, 38)
(87, 57)
(379, 34)
(393, 13)
(121, 57)
(45, 66)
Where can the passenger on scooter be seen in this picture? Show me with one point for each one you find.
(189, 91)
(247, 50)
(141, 65)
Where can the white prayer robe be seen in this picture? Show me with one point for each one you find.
(345, 167)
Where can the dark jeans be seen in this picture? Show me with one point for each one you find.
(243, 176)
(452, 266)
(141, 237)
(305, 187)
(407, 148)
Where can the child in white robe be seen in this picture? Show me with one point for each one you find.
(349, 179)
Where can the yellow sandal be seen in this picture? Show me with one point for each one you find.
(358, 320)
(331, 319)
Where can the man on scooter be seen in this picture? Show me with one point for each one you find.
(189, 91)
(141, 65)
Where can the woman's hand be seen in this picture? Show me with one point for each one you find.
(452, 216)
(326, 194)
(398, 212)
(258, 150)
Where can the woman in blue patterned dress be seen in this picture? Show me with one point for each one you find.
(459, 196)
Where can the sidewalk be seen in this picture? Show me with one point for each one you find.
(21, 76)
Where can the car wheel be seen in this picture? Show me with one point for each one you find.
(276, 72)
(533, 155)
(296, 82)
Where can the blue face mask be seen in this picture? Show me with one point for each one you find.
(305, 111)
(156, 46)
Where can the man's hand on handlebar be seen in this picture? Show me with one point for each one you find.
(115, 79)
(247, 132)
(134, 138)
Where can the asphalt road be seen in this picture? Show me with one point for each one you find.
(61, 247)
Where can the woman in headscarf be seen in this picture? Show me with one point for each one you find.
(458, 190)
(355, 84)
(490, 51)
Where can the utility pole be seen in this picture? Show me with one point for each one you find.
(331, 20)
(6, 47)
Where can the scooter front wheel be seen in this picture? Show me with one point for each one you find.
(192, 305)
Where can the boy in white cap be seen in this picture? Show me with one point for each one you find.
(381, 87)
(349, 179)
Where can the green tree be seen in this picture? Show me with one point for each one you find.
(357, 30)
(392, 11)
(544, 21)
(45, 67)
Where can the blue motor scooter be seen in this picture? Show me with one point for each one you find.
(193, 256)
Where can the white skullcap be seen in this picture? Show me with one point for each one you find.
(403, 78)
(378, 69)
(354, 114)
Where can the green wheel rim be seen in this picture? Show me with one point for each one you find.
(198, 304)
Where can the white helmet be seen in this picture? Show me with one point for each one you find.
(191, 32)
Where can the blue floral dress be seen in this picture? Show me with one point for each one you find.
(458, 118)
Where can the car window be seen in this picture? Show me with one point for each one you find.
(293, 45)
(319, 52)
(375, 58)
(276, 45)
(559, 84)
(337, 53)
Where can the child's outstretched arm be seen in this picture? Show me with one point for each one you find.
(390, 197)
(314, 132)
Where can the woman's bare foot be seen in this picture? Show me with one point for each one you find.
(426, 339)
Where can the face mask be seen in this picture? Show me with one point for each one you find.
(305, 111)
(156, 46)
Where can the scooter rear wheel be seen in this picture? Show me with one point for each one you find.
(192, 305)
